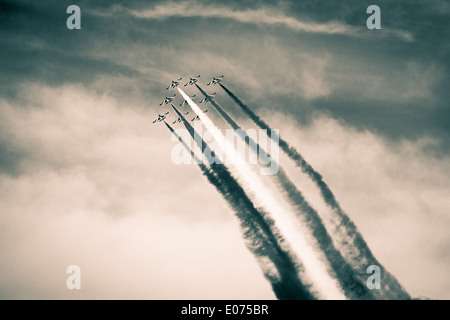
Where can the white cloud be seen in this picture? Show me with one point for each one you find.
(261, 16)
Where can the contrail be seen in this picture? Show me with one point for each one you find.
(343, 231)
(257, 234)
(316, 272)
(352, 286)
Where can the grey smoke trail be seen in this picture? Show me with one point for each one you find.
(352, 286)
(343, 231)
(257, 233)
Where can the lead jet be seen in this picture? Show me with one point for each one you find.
(185, 102)
(192, 81)
(208, 98)
(161, 117)
(174, 84)
(215, 80)
(167, 100)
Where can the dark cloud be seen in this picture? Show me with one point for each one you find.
(373, 81)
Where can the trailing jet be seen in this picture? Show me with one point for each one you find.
(215, 80)
(208, 98)
(167, 100)
(185, 102)
(197, 117)
(192, 81)
(179, 119)
(161, 117)
(174, 84)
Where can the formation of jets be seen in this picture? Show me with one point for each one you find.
(176, 83)
(215, 80)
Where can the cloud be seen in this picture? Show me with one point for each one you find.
(262, 16)
(259, 17)
(410, 82)
(293, 71)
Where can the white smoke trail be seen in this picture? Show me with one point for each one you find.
(315, 273)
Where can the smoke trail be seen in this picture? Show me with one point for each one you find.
(188, 149)
(258, 237)
(316, 271)
(352, 286)
(344, 233)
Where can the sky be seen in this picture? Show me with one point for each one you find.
(86, 179)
